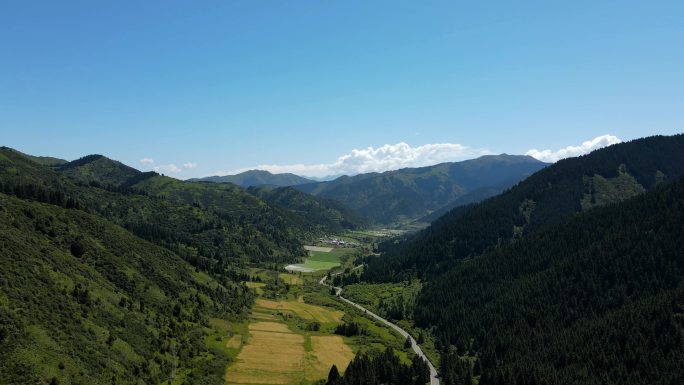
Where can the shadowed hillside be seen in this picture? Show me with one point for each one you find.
(326, 214)
(596, 299)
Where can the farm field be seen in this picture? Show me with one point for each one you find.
(275, 351)
(289, 337)
(272, 355)
(318, 248)
(320, 259)
(303, 310)
(329, 351)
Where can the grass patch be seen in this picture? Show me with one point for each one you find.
(325, 260)
(319, 248)
(291, 279)
(258, 287)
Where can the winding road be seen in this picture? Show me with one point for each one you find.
(416, 348)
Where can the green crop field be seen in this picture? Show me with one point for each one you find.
(322, 260)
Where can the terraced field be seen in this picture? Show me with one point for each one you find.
(273, 355)
(273, 352)
(302, 310)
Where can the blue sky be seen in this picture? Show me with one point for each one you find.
(228, 85)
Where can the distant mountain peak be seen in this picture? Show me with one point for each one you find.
(98, 168)
(252, 178)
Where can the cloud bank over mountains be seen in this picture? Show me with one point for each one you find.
(371, 159)
(148, 164)
(570, 151)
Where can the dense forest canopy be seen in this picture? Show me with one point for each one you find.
(596, 299)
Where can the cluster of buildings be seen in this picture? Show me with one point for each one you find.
(337, 242)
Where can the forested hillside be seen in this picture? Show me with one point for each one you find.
(324, 214)
(99, 170)
(212, 227)
(549, 196)
(597, 299)
(405, 195)
(474, 196)
(83, 301)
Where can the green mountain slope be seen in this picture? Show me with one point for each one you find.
(597, 299)
(83, 301)
(256, 178)
(99, 169)
(210, 227)
(325, 214)
(553, 194)
(475, 196)
(404, 195)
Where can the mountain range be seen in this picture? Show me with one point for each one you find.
(402, 196)
(409, 196)
(256, 178)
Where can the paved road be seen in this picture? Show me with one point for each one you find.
(416, 348)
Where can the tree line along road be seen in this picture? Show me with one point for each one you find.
(416, 348)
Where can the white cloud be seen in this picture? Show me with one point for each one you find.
(146, 161)
(167, 168)
(189, 165)
(384, 158)
(570, 151)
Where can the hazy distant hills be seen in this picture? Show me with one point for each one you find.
(256, 178)
(402, 196)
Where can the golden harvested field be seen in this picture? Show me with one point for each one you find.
(269, 358)
(303, 310)
(326, 351)
(276, 327)
(274, 354)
